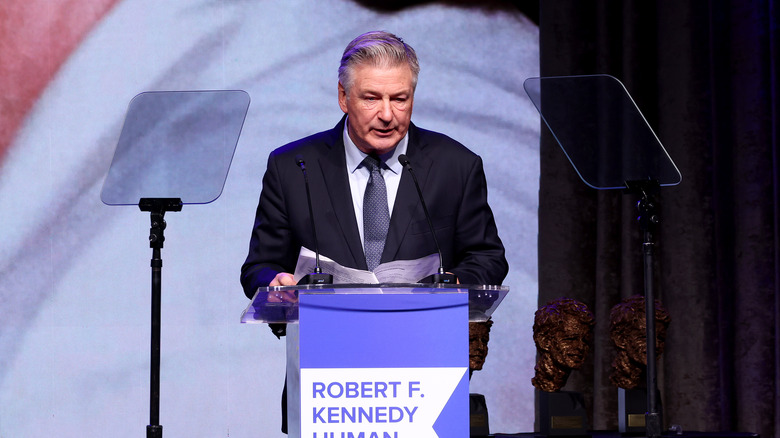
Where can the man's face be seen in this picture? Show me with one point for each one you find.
(479, 336)
(571, 346)
(379, 105)
(635, 342)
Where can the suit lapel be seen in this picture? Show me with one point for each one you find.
(407, 201)
(333, 166)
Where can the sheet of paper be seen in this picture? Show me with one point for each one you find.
(398, 271)
(407, 271)
(341, 274)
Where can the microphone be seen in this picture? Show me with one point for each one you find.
(441, 276)
(316, 277)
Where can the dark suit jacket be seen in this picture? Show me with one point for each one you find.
(453, 185)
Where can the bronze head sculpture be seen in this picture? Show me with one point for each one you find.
(479, 335)
(563, 329)
(627, 329)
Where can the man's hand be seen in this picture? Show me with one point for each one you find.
(282, 279)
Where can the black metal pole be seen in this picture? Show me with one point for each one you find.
(648, 219)
(157, 208)
(652, 416)
(153, 429)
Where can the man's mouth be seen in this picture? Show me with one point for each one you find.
(384, 132)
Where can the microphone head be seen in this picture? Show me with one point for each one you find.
(299, 161)
(403, 159)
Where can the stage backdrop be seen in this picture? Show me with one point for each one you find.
(74, 273)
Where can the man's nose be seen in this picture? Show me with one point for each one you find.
(385, 111)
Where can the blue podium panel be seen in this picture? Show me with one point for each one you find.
(383, 365)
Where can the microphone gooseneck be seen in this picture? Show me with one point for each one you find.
(317, 277)
(441, 276)
(302, 165)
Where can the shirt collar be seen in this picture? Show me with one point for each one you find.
(355, 156)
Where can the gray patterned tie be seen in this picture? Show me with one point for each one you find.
(376, 215)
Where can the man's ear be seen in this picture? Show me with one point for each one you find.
(342, 98)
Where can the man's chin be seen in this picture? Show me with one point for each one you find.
(381, 146)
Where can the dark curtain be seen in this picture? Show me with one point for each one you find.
(706, 76)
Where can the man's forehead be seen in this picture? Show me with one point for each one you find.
(367, 74)
(574, 327)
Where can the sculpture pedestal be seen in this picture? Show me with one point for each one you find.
(479, 424)
(561, 414)
(632, 407)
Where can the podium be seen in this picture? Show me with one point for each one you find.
(376, 360)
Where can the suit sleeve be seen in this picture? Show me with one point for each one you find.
(272, 248)
(479, 253)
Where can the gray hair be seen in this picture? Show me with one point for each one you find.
(379, 49)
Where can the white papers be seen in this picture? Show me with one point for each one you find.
(398, 271)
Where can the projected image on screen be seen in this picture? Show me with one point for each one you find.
(74, 273)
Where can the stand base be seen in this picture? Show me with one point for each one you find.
(479, 426)
(153, 431)
(561, 414)
(316, 278)
(440, 279)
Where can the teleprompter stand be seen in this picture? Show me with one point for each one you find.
(648, 219)
(157, 208)
(149, 171)
(611, 146)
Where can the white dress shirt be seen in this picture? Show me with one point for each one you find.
(358, 175)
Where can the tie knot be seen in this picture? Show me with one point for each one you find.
(372, 162)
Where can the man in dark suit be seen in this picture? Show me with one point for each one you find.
(377, 79)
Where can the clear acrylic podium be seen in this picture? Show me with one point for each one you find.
(389, 359)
